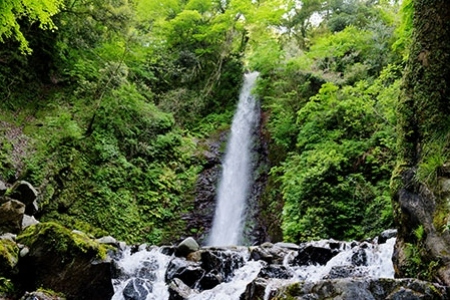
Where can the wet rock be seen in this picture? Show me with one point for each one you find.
(313, 255)
(222, 262)
(11, 215)
(255, 290)
(179, 291)
(137, 289)
(345, 272)
(275, 271)
(359, 258)
(385, 235)
(188, 272)
(65, 262)
(187, 246)
(210, 280)
(27, 194)
(258, 253)
(289, 246)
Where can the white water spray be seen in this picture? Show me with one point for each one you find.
(236, 175)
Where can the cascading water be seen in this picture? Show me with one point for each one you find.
(228, 273)
(236, 175)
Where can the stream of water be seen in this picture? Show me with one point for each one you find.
(236, 171)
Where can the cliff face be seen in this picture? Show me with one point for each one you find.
(421, 181)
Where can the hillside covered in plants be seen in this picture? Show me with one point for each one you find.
(107, 107)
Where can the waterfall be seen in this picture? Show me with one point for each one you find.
(236, 174)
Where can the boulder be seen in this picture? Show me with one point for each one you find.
(314, 255)
(345, 272)
(385, 235)
(137, 289)
(255, 290)
(221, 262)
(65, 262)
(275, 271)
(11, 215)
(179, 291)
(359, 257)
(188, 272)
(27, 194)
(187, 246)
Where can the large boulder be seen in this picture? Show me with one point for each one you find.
(63, 261)
(11, 215)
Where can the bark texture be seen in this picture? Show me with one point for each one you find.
(421, 183)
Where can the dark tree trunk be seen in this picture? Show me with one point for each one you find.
(421, 182)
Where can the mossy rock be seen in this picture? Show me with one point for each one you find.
(9, 257)
(64, 261)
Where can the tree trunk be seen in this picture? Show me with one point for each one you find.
(421, 182)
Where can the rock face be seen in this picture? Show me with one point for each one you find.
(66, 262)
(199, 221)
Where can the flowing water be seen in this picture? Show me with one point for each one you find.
(142, 275)
(236, 173)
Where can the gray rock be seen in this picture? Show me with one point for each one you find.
(187, 246)
(179, 291)
(109, 240)
(11, 215)
(28, 221)
(387, 234)
(24, 251)
(290, 246)
(8, 236)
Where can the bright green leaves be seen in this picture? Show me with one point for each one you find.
(39, 11)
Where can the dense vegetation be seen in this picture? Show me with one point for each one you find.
(105, 105)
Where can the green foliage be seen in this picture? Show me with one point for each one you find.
(418, 263)
(39, 11)
(6, 287)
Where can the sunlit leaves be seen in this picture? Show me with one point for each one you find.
(40, 11)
